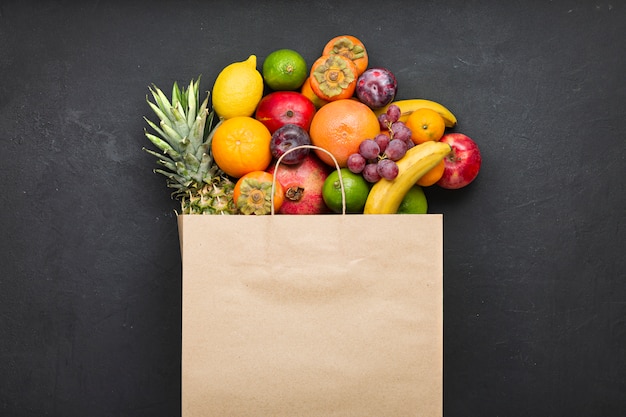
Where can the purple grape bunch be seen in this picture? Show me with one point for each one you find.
(376, 157)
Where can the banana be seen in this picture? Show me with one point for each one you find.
(385, 196)
(409, 106)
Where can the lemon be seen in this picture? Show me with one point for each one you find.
(238, 89)
(414, 202)
(284, 69)
(355, 187)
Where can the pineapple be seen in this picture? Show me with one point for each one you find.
(184, 136)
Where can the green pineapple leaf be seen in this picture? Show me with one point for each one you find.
(192, 99)
(176, 94)
(183, 134)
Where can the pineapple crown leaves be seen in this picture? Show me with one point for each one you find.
(183, 135)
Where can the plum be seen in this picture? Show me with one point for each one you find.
(287, 137)
(376, 87)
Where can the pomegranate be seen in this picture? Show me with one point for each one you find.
(282, 107)
(303, 186)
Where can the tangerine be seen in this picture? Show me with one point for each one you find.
(425, 124)
(350, 47)
(432, 176)
(308, 92)
(340, 126)
(241, 145)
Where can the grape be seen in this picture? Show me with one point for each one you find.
(370, 173)
(382, 141)
(369, 149)
(396, 149)
(401, 131)
(384, 122)
(393, 113)
(387, 169)
(356, 163)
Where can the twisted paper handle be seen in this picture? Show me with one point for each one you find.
(343, 192)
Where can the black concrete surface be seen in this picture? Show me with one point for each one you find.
(90, 269)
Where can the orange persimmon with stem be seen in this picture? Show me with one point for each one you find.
(333, 77)
(350, 47)
(253, 193)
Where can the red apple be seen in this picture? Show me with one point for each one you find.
(282, 107)
(303, 186)
(462, 163)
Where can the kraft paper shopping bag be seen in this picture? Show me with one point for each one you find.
(322, 315)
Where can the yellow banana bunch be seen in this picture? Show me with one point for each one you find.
(409, 106)
(385, 196)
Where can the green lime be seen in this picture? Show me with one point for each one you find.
(284, 69)
(414, 202)
(355, 187)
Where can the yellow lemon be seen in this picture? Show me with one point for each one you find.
(238, 89)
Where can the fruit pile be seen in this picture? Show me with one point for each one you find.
(342, 139)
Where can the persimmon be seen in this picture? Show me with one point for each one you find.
(253, 193)
(350, 47)
(333, 77)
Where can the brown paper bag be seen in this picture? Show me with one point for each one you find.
(322, 315)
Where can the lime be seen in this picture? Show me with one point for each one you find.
(284, 69)
(414, 202)
(355, 187)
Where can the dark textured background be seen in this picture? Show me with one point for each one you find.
(535, 296)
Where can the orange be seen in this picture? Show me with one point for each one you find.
(252, 193)
(350, 47)
(432, 176)
(425, 124)
(340, 126)
(308, 92)
(333, 77)
(240, 145)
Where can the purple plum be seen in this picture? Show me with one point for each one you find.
(376, 87)
(287, 137)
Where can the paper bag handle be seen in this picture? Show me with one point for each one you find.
(343, 191)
